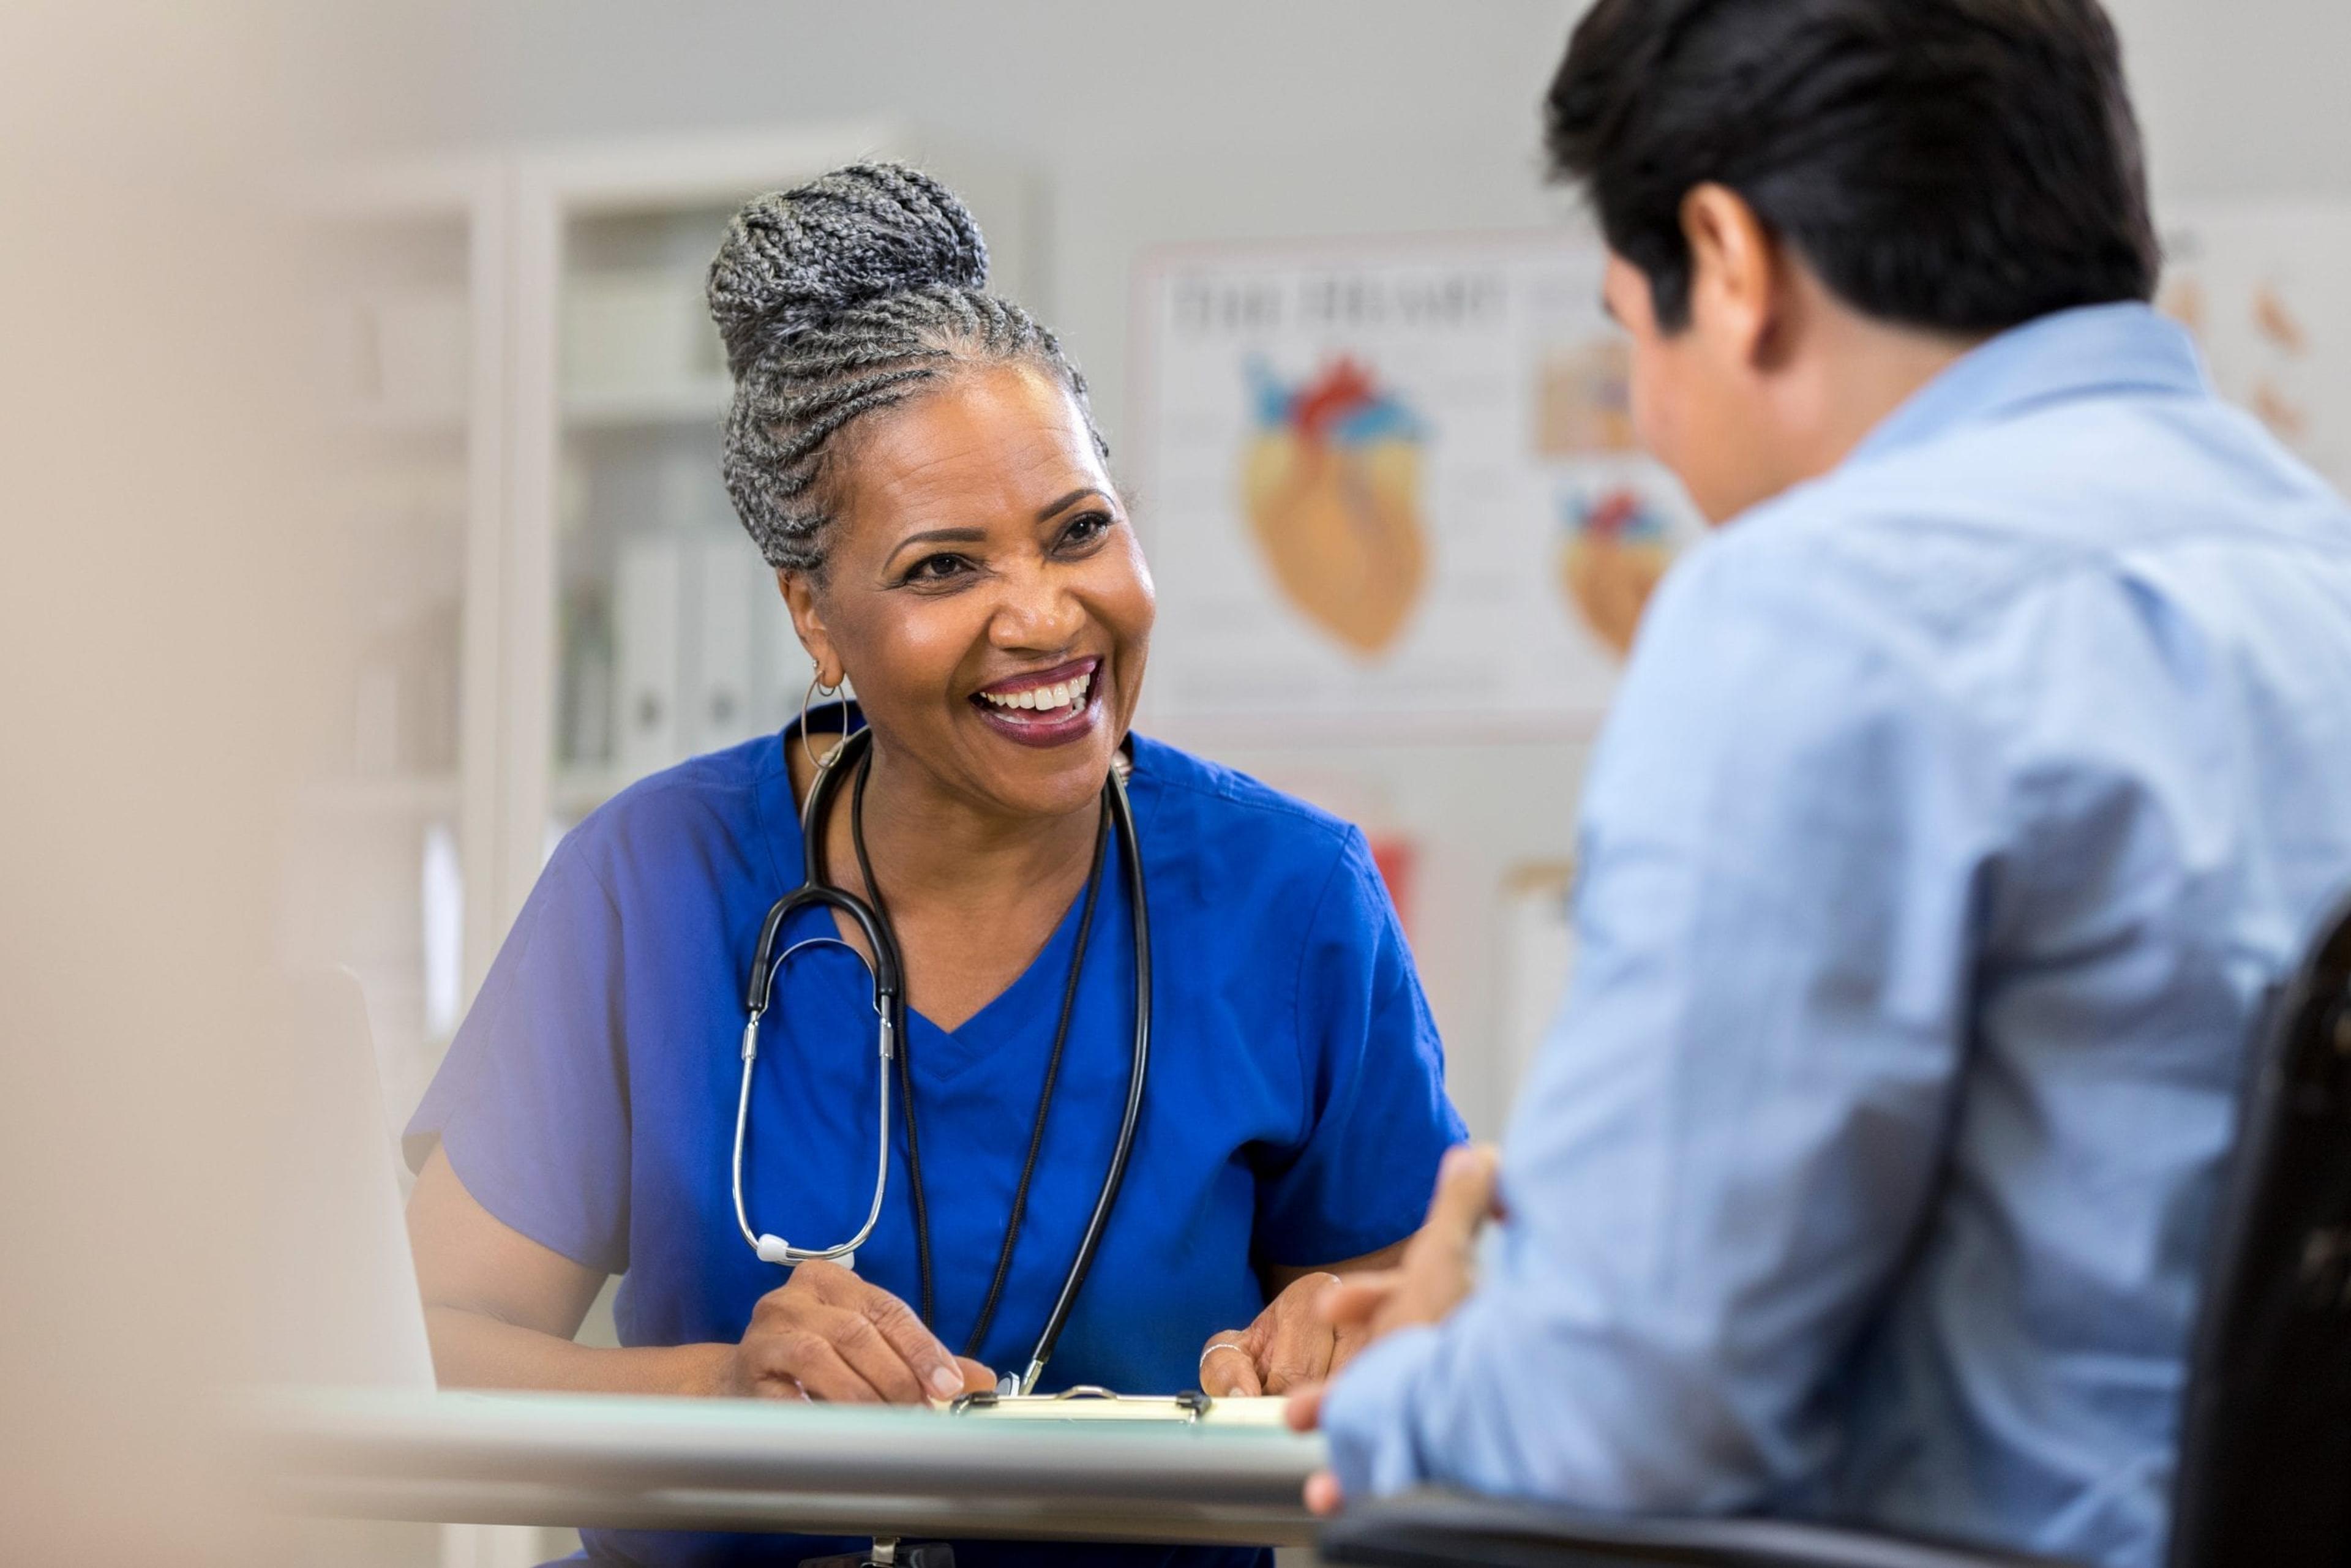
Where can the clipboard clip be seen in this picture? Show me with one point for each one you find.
(1187, 1407)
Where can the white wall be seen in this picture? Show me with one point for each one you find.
(1230, 118)
(1226, 117)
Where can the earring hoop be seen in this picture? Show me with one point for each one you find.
(816, 683)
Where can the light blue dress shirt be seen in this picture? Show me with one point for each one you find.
(1955, 810)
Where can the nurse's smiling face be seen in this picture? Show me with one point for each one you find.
(983, 591)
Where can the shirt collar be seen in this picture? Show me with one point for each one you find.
(2070, 353)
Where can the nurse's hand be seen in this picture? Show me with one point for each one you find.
(827, 1334)
(1292, 1344)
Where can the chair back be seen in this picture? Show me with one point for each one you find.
(2264, 1473)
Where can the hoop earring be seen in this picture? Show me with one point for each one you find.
(816, 684)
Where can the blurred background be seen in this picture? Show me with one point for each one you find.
(362, 640)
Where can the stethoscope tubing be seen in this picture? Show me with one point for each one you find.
(774, 1248)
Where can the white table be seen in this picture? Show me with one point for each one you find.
(656, 1463)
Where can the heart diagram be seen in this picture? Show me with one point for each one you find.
(1615, 550)
(1331, 484)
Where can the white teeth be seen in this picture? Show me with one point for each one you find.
(1064, 693)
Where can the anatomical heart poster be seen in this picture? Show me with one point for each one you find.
(1392, 480)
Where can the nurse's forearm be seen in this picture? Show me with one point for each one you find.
(474, 1350)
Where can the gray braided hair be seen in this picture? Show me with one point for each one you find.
(851, 294)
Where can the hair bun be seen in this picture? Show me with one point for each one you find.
(793, 259)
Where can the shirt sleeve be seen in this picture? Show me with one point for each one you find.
(531, 1101)
(1733, 1128)
(1378, 1118)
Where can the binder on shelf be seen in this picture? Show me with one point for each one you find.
(647, 600)
(719, 710)
(585, 737)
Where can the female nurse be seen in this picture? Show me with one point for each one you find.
(915, 458)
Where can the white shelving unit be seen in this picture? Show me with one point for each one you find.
(393, 847)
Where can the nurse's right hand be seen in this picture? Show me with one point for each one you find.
(827, 1334)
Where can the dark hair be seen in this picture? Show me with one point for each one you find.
(843, 297)
(1957, 164)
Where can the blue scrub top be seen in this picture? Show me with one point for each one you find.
(1295, 1114)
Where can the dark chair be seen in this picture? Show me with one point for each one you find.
(2264, 1473)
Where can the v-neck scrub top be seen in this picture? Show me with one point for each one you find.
(1294, 1112)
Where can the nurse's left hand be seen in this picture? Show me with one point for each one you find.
(1292, 1344)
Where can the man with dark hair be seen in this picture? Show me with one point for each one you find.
(1962, 796)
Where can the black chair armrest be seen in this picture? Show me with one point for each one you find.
(1449, 1530)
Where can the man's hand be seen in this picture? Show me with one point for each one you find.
(1438, 1269)
(1439, 1262)
(1292, 1344)
(827, 1334)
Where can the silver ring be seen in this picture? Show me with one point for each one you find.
(1233, 1344)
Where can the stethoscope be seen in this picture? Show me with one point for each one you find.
(887, 970)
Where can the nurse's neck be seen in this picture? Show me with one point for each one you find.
(975, 889)
(930, 834)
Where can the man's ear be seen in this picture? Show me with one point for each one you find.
(1739, 283)
(798, 590)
